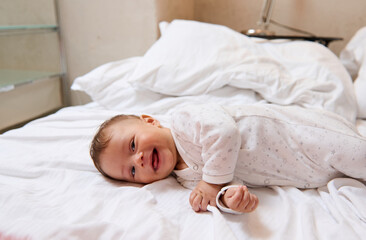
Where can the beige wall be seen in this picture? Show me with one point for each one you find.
(98, 31)
(168, 10)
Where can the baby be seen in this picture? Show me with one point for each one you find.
(209, 146)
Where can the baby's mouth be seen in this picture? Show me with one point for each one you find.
(155, 160)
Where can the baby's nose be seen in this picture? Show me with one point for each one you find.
(140, 159)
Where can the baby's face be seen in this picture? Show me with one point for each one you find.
(139, 151)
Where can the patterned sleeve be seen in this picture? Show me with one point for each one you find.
(214, 130)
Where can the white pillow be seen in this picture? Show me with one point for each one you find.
(353, 58)
(163, 26)
(107, 85)
(360, 90)
(193, 58)
(107, 79)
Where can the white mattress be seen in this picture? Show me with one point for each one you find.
(50, 189)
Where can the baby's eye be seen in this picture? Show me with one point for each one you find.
(133, 145)
(133, 171)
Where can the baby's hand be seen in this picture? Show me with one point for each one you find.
(240, 199)
(203, 195)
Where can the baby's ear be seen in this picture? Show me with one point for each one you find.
(150, 120)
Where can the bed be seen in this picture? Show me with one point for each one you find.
(50, 189)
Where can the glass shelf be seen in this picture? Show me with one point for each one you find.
(6, 30)
(10, 78)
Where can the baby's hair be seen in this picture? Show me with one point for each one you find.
(102, 138)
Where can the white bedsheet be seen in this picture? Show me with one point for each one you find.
(50, 189)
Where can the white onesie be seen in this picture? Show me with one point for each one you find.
(264, 144)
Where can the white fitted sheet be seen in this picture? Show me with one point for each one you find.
(49, 189)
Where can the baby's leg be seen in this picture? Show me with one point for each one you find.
(347, 154)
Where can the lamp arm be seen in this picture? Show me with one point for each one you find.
(266, 13)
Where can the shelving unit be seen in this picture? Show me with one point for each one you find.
(12, 78)
(29, 89)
